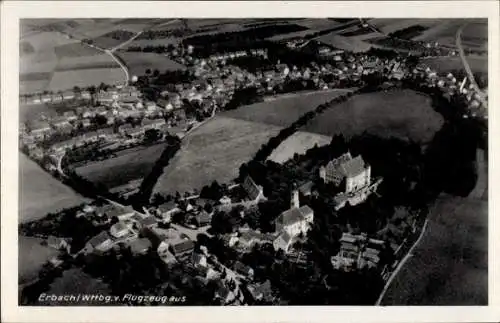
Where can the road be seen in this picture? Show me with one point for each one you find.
(470, 75)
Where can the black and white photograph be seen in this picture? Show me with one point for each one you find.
(273, 161)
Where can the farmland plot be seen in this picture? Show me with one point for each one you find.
(86, 62)
(447, 64)
(351, 44)
(40, 193)
(62, 80)
(138, 63)
(284, 109)
(128, 165)
(213, 151)
(404, 114)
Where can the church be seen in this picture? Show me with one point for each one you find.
(297, 219)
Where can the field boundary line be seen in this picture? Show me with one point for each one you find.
(401, 264)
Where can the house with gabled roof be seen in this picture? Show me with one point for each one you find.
(182, 247)
(261, 291)
(100, 243)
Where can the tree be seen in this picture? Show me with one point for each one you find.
(152, 135)
(148, 71)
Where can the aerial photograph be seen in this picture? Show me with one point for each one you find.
(257, 161)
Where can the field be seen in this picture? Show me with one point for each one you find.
(73, 282)
(40, 193)
(447, 64)
(475, 35)
(128, 165)
(32, 256)
(284, 109)
(352, 44)
(49, 52)
(450, 265)
(402, 113)
(390, 25)
(298, 143)
(83, 78)
(317, 24)
(138, 63)
(214, 151)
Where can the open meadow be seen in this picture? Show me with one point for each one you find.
(402, 113)
(138, 62)
(283, 109)
(32, 256)
(446, 64)
(214, 151)
(450, 264)
(129, 165)
(298, 143)
(40, 193)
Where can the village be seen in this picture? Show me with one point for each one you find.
(120, 117)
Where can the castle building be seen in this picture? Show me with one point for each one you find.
(350, 173)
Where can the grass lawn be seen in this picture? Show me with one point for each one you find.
(284, 109)
(298, 143)
(73, 282)
(32, 256)
(450, 265)
(131, 164)
(446, 64)
(214, 151)
(40, 193)
(138, 62)
(402, 113)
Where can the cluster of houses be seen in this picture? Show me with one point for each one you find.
(357, 252)
(144, 232)
(450, 87)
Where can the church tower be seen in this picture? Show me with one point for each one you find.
(294, 200)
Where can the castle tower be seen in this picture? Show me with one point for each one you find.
(294, 201)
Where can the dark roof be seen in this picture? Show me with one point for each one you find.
(241, 267)
(337, 162)
(306, 187)
(263, 289)
(203, 217)
(147, 221)
(223, 292)
(293, 215)
(99, 239)
(167, 206)
(183, 246)
(354, 166)
(290, 216)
